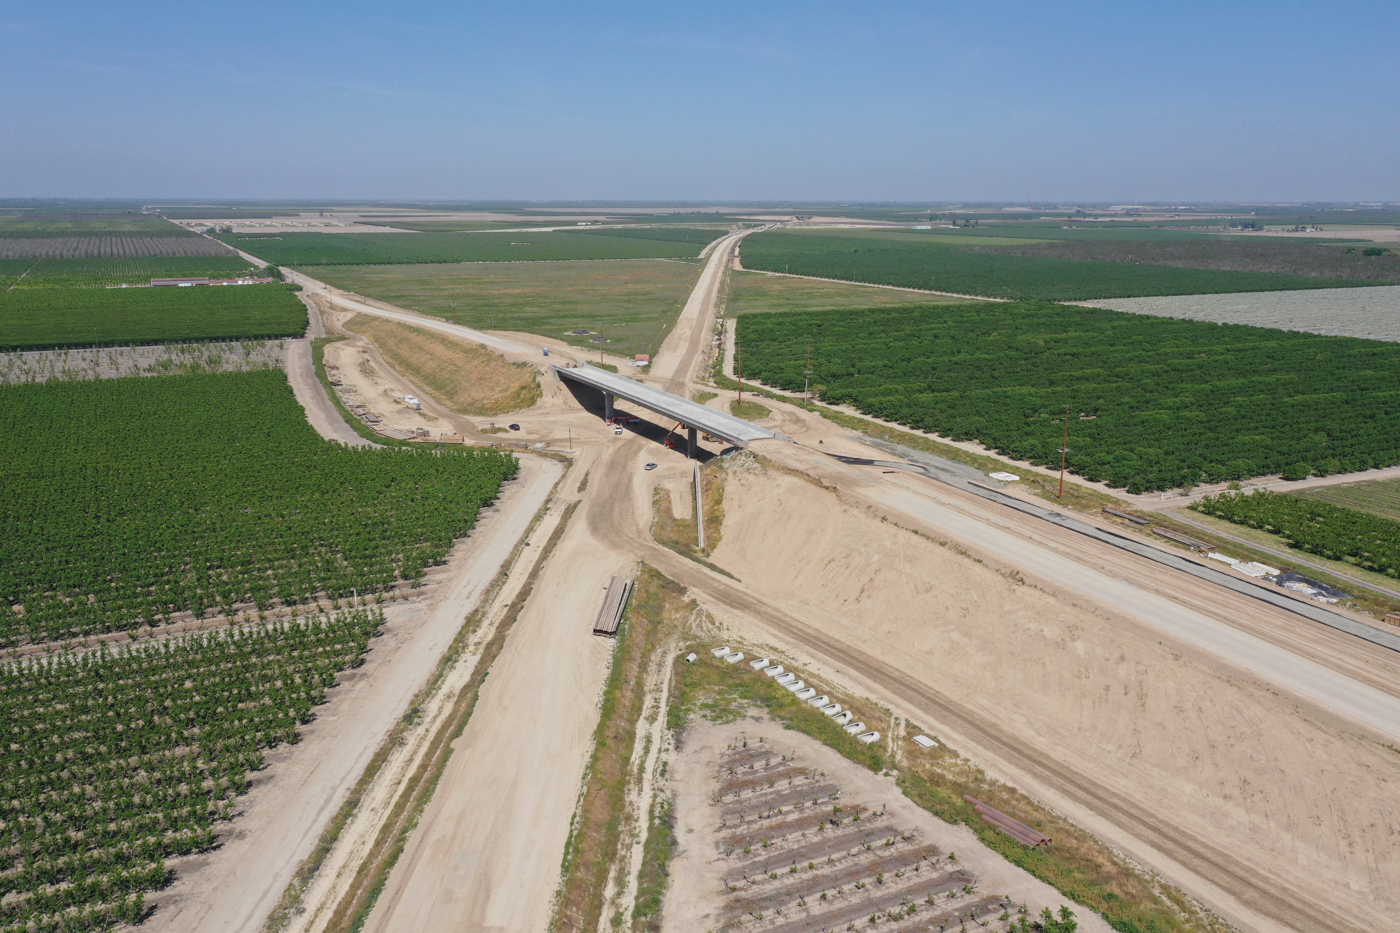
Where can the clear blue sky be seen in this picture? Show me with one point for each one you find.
(750, 100)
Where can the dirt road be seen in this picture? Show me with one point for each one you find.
(486, 855)
(235, 887)
(683, 348)
(1233, 750)
(320, 411)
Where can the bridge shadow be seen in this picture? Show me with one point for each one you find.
(591, 401)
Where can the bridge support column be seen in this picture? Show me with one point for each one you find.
(690, 446)
(608, 406)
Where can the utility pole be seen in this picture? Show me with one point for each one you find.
(739, 366)
(807, 374)
(1064, 453)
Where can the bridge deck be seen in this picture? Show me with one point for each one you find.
(736, 431)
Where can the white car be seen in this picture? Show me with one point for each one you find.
(617, 429)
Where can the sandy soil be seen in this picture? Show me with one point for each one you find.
(696, 898)
(1305, 801)
(236, 886)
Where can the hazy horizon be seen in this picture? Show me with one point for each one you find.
(703, 104)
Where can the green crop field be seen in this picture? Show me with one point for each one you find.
(37, 224)
(42, 318)
(1314, 526)
(1378, 497)
(95, 272)
(119, 759)
(940, 266)
(314, 249)
(132, 501)
(1155, 402)
(636, 301)
(1342, 260)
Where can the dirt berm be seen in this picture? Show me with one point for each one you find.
(1297, 800)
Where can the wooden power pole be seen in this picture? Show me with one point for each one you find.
(807, 373)
(1064, 453)
(739, 366)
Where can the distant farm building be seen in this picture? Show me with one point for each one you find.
(164, 283)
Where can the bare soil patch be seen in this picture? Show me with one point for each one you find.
(1297, 797)
(780, 833)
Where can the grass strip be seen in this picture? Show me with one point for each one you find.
(749, 411)
(1079, 866)
(373, 873)
(657, 605)
(311, 865)
(657, 849)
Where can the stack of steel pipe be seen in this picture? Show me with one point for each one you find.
(1013, 828)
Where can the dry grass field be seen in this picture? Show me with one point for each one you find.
(465, 377)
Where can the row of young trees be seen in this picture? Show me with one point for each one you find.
(129, 501)
(1317, 527)
(115, 760)
(1155, 403)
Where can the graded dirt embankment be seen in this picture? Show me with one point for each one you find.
(465, 377)
(1304, 804)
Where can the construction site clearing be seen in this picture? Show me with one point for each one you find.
(1233, 749)
(780, 834)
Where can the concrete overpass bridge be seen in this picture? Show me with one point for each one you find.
(693, 415)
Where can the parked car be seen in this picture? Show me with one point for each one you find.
(617, 429)
(513, 427)
(650, 466)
